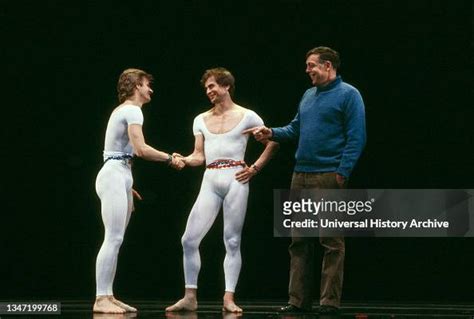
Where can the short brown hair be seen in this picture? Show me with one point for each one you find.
(326, 54)
(223, 78)
(128, 80)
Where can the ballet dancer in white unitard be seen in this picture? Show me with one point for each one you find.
(220, 144)
(123, 139)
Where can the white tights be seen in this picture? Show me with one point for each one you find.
(114, 187)
(218, 187)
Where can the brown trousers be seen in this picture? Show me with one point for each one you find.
(302, 254)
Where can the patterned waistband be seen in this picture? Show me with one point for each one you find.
(127, 159)
(225, 163)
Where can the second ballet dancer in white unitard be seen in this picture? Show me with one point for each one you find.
(220, 144)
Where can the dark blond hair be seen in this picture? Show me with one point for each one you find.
(128, 80)
(326, 54)
(223, 78)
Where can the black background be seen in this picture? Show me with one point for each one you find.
(411, 61)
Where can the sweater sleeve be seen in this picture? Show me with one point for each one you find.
(354, 130)
(290, 132)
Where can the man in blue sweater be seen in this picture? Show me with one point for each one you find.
(330, 130)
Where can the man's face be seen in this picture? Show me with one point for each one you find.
(145, 90)
(214, 91)
(318, 71)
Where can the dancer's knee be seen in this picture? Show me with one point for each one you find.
(189, 244)
(114, 240)
(232, 243)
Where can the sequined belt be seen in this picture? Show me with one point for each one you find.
(126, 159)
(225, 163)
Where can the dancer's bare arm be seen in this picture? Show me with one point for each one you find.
(248, 172)
(145, 151)
(197, 157)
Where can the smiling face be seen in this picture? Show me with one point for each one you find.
(215, 92)
(145, 91)
(318, 71)
(134, 82)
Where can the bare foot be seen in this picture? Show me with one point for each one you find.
(123, 305)
(181, 315)
(232, 315)
(230, 306)
(113, 315)
(185, 304)
(104, 305)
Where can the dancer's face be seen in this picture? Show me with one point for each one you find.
(145, 90)
(214, 91)
(317, 70)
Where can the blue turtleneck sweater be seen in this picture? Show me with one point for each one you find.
(329, 128)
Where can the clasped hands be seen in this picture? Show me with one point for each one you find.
(177, 161)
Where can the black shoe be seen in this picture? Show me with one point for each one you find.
(291, 309)
(328, 310)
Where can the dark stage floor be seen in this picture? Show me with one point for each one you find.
(266, 310)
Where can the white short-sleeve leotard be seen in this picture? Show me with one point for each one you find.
(229, 145)
(117, 142)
